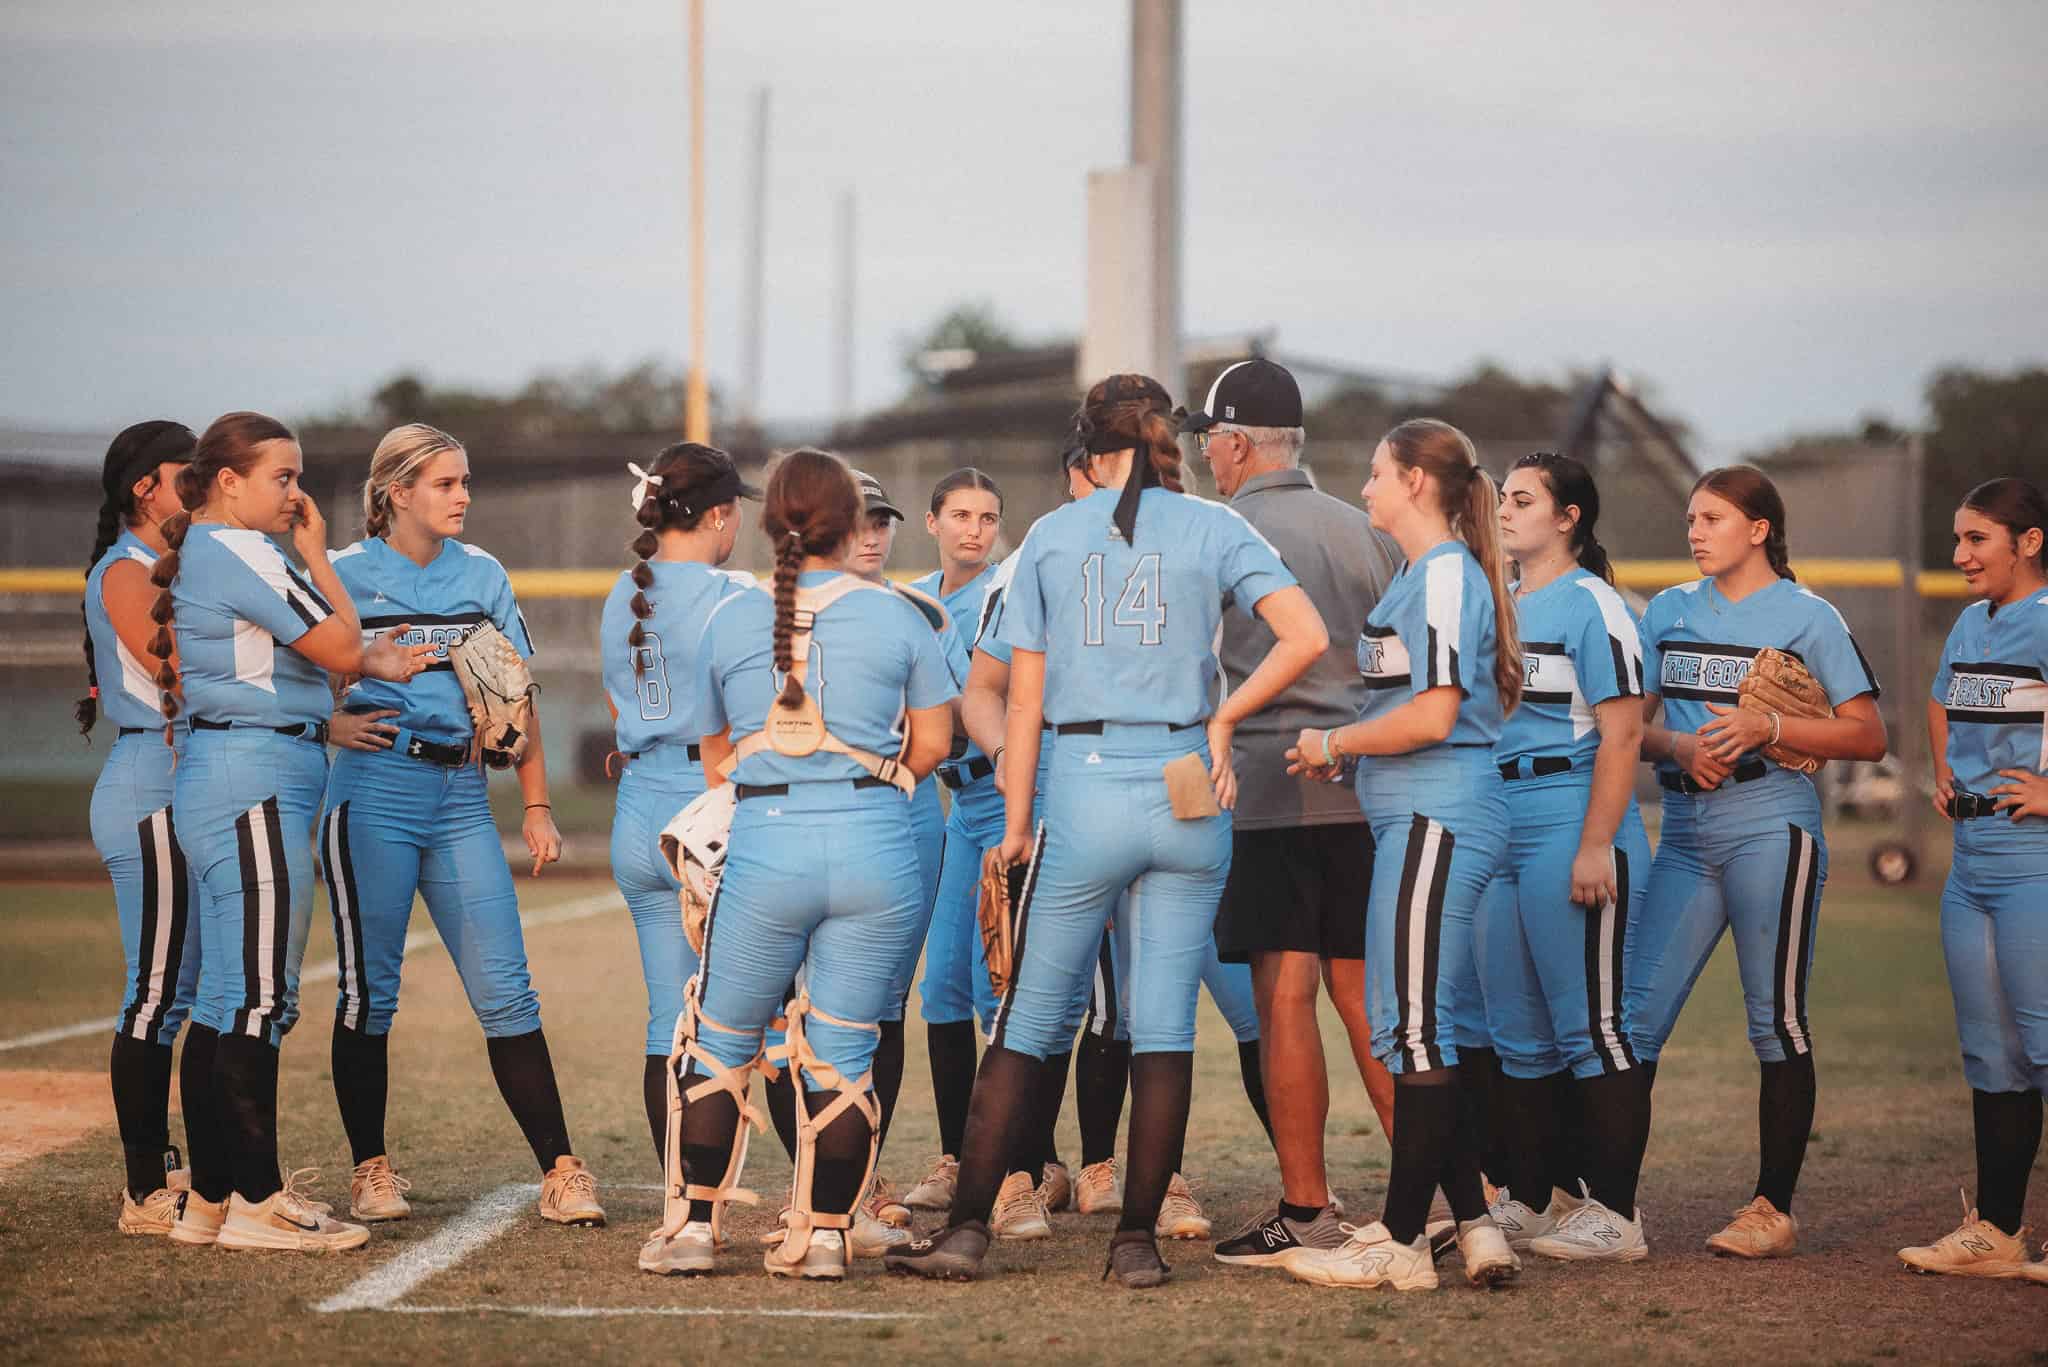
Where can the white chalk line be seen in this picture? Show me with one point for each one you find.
(487, 1217)
(593, 1312)
(328, 970)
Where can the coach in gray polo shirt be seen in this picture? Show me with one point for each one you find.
(1301, 858)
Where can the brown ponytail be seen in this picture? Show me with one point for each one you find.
(811, 508)
(681, 469)
(1471, 505)
(1757, 499)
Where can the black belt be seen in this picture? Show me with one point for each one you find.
(315, 731)
(1682, 782)
(960, 775)
(747, 790)
(136, 730)
(1542, 766)
(1970, 806)
(433, 752)
(695, 752)
(1094, 728)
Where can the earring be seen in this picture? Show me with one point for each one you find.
(719, 525)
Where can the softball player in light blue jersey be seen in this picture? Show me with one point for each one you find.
(1740, 847)
(133, 830)
(687, 506)
(408, 815)
(1442, 666)
(821, 871)
(1552, 932)
(253, 638)
(1988, 721)
(1112, 613)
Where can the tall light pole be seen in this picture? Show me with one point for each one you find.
(757, 238)
(697, 394)
(1156, 143)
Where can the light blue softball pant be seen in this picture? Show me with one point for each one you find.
(246, 802)
(928, 834)
(1994, 936)
(155, 889)
(1107, 826)
(1551, 972)
(395, 827)
(655, 785)
(955, 985)
(1747, 857)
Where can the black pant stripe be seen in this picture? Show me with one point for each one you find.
(1606, 929)
(159, 940)
(1021, 913)
(1103, 1003)
(280, 913)
(343, 900)
(1418, 937)
(1788, 978)
(265, 887)
(1809, 922)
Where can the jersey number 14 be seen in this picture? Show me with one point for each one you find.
(1139, 605)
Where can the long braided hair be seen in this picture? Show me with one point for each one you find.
(132, 456)
(675, 475)
(812, 507)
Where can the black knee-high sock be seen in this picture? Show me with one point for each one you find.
(2008, 1137)
(654, 1096)
(1461, 1177)
(710, 1128)
(780, 1092)
(245, 1084)
(1480, 1076)
(841, 1159)
(141, 1076)
(1162, 1085)
(1102, 1070)
(1528, 1117)
(1565, 1164)
(1045, 1117)
(998, 1124)
(888, 1072)
(361, 1064)
(1614, 1111)
(1254, 1078)
(1784, 1119)
(206, 1145)
(950, 1047)
(1425, 1129)
(526, 1079)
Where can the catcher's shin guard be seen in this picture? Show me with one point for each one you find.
(857, 1093)
(677, 1191)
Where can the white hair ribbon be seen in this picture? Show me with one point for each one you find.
(640, 489)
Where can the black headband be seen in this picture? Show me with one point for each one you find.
(720, 489)
(170, 441)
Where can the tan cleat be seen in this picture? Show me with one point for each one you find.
(871, 1238)
(1096, 1191)
(935, 1192)
(375, 1192)
(1759, 1230)
(884, 1207)
(1018, 1215)
(154, 1214)
(568, 1194)
(1180, 1216)
(198, 1220)
(1976, 1248)
(1056, 1192)
(286, 1222)
(824, 1260)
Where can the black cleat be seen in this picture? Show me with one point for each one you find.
(1135, 1262)
(953, 1254)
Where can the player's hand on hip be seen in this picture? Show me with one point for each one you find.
(1734, 732)
(2023, 794)
(1593, 882)
(1944, 792)
(363, 730)
(543, 841)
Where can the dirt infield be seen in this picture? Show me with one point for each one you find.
(1893, 1142)
(42, 1110)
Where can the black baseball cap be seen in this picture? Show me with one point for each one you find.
(1254, 393)
(875, 496)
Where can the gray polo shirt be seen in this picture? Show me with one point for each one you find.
(1344, 566)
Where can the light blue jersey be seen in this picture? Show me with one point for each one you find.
(651, 711)
(872, 655)
(443, 601)
(240, 604)
(128, 693)
(964, 609)
(1990, 680)
(1697, 648)
(1579, 649)
(1434, 628)
(1129, 632)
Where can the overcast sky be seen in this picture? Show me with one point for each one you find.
(1782, 215)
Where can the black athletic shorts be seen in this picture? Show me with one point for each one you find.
(1296, 887)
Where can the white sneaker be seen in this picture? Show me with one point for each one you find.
(1018, 1215)
(935, 1192)
(1590, 1232)
(1180, 1215)
(1517, 1222)
(155, 1213)
(284, 1222)
(375, 1192)
(1489, 1262)
(1977, 1248)
(1096, 1191)
(199, 1220)
(691, 1252)
(824, 1260)
(1370, 1257)
(871, 1238)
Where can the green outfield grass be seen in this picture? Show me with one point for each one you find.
(1892, 1145)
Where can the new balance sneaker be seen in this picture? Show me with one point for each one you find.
(690, 1252)
(1759, 1230)
(871, 1238)
(935, 1192)
(568, 1194)
(154, 1214)
(823, 1261)
(1267, 1241)
(1517, 1222)
(375, 1192)
(1056, 1192)
(953, 1254)
(1096, 1191)
(1489, 1262)
(1563, 1203)
(1977, 1248)
(1368, 1257)
(883, 1207)
(1180, 1217)
(285, 1222)
(1018, 1215)
(1590, 1232)
(198, 1220)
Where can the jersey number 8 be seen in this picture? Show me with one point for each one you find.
(651, 670)
(1139, 605)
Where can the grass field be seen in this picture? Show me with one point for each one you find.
(1892, 1145)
